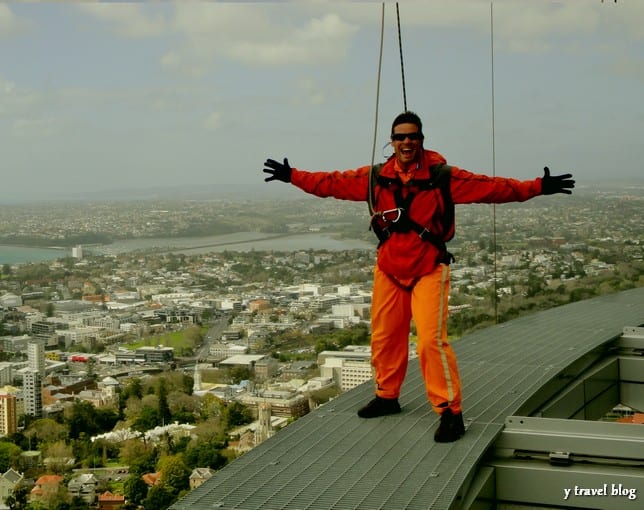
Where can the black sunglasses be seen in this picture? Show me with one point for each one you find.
(399, 137)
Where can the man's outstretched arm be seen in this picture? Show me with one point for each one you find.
(345, 185)
(468, 187)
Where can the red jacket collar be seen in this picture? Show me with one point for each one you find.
(430, 158)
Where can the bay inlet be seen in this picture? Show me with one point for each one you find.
(239, 241)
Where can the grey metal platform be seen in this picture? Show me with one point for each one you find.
(331, 459)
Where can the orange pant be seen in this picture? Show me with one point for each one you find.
(392, 309)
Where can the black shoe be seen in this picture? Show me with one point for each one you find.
(451, 427)
(379, 407)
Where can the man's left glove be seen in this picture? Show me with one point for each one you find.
(556, 183)
(277, 171)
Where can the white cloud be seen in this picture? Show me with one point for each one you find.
(16, 100)
(33, 127)
(321, 40)
(34, 112)
(129, 20)
(254, 35)
(24, 109)
(213, 121)
(519, 26)
(539, 27)
(10, 23)
(261, 34)
(629, 67)
(312, 92)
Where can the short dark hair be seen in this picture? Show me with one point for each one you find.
(407, 118)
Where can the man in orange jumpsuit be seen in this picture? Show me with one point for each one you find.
(413, 197)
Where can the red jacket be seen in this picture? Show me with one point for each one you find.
(406, 256)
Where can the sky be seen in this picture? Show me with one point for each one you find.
(111, 98)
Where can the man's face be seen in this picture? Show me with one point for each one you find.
(407, 148)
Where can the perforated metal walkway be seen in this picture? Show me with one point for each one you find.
(331, 459)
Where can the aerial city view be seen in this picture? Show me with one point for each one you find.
(164, 310)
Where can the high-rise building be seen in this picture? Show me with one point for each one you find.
(77, 252)
(8, 415)
(32, 392)
(36, 356)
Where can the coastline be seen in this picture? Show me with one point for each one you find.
(239, 241)
(15, 254)
(60, 248)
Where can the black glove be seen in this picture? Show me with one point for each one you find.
(277, 171)
(556, 183)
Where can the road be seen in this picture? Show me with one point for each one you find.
(213, 335)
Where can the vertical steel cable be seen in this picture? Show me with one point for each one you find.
(375, 123)
(402, 66)
(496, 296)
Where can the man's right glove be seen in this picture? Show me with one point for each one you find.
(277, 171)
(556, 183)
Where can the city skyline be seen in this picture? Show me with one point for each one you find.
(107, 98)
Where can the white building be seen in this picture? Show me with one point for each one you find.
(347, 374)
(348, 369)
(316, 384)
(175, 430)
(235, 306)
(174, 298)
(32, 392)
(79, 335)
(10, 300)
(77, 252)
(221, 351)
(8, 482)
(343, 310)
(36, 356)
(242, 360)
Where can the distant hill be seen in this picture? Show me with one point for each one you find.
(252, 190)
(181, 192)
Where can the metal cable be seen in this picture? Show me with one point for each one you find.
(375, 123)
(496, 295)
(402, 65)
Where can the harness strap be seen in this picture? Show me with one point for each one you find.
(402, 222)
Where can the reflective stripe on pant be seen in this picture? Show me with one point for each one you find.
(391, 310)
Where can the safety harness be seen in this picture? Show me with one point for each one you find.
(385, 223)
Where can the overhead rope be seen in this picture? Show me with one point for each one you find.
(402, 65)
(496, 295)
(402, 71)
(402, 68)
(375, 124)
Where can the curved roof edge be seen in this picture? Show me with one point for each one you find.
(331, 459)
